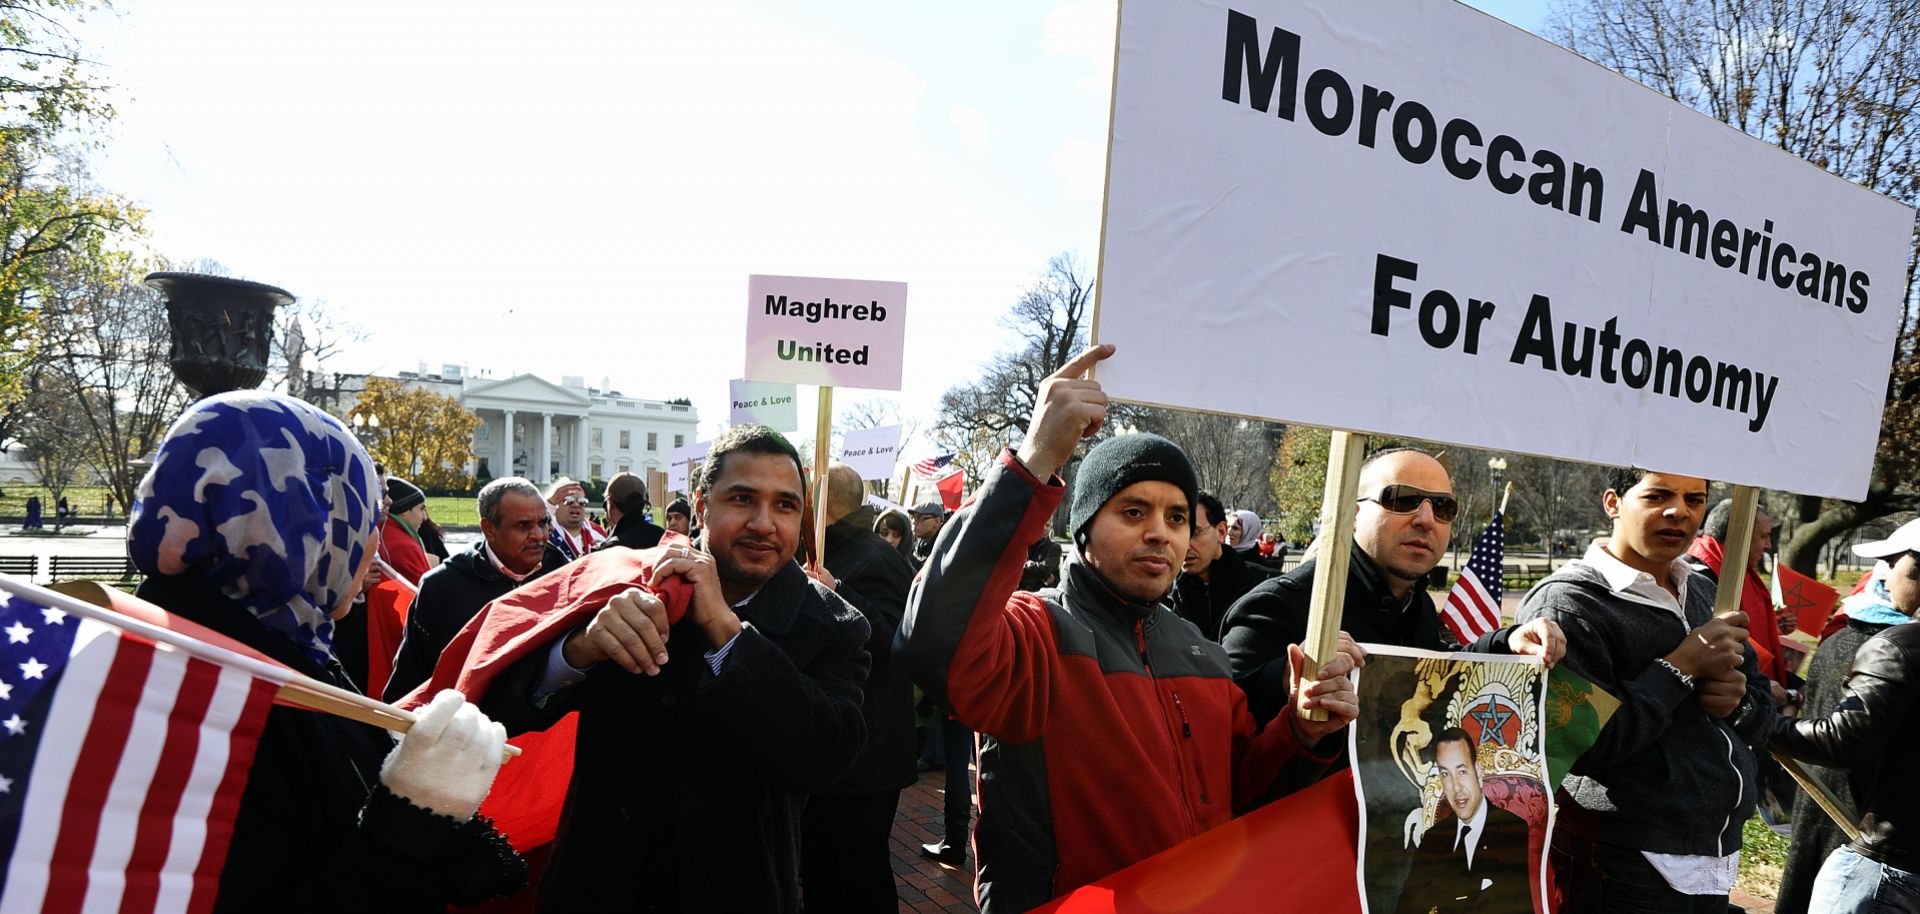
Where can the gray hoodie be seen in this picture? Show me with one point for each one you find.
(1663, 775)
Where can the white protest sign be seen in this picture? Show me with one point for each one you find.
(871, 451)
(681, 461)
(830, 332)
(771, 405)
(1404, 216)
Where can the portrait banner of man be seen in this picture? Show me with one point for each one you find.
(1449, 759)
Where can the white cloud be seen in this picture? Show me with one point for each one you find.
(970, 126)
(1080, 28)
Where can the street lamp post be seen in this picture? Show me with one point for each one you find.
(367, 426)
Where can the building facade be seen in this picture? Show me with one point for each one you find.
(533, 427)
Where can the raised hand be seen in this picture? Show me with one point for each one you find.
(1069, 407)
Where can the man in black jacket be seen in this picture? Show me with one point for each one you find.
(700, 740)
(513, 538)
(1406, 511)
(1872, 732)
(1213, 577)
(843, 835)
(627, 512)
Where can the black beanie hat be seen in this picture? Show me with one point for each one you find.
(1119, 462)
(404, 494)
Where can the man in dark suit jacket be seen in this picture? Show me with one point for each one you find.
(1477, 861)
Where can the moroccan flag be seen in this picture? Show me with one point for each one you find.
(1576, 710)
(123, 760)
(387, 605)
(528, 794)
(1809, 600)
(1294, 856)
(953, 490)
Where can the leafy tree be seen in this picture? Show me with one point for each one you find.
(422, 436)
(1830, 81)
(1300, 479)
(48, 209)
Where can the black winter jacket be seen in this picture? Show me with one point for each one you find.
(1873, 732)
(874, 577)
(633, 532)
(1206, 603)
(450, 595)
(316, 831)
(688, 787)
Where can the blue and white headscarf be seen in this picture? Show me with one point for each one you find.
(1875, 604)
(268, 498)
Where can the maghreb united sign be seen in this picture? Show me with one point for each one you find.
(829, 332)
(1441, 227)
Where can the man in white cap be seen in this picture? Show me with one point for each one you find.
(1871, 733)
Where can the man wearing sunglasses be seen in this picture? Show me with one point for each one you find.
(1400, 530)
(572, 535)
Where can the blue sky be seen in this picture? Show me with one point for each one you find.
(584, 192)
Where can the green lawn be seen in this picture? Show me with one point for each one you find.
(88, 500)
(1763, 860)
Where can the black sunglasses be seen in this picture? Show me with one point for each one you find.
(1407, 499)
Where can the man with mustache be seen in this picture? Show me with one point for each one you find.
(1650, 817)
(1110, 727)
(1475, 861)
(1399, 532)
(699, 740)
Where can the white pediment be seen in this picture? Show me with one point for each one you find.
(523, 392)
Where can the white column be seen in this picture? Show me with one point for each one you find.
(506, 448)
(580, 447)
(546, 448)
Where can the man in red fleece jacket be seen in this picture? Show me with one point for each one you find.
(1111, 729)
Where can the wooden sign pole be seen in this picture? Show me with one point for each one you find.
(1334, 552)
(822, 443)
(1736, 550)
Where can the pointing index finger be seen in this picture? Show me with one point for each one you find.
(1078, 366)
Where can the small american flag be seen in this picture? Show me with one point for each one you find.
(122, 763)
(931, 465)
(1473, 606)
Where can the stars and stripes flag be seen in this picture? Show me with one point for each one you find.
(933, 465)
(1473, 606)
(122, 763)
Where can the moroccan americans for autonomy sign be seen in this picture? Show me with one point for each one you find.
(1428, 223)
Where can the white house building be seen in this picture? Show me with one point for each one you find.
(533, 427)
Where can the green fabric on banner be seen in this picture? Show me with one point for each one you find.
(1576, 710)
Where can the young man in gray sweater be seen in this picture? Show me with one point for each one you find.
(1650, 817)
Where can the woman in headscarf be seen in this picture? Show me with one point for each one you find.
(894, 527)
(1245, 530)
(257, 520)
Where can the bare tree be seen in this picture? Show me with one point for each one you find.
(1831, 81)
(53, 435)
(1232, 456)
(102, 331)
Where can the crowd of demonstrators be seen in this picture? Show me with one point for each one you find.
(513, 540)
(1858, 730)
(844, 855)
(335, 816)
(699, 740)
(1212, 576)
(1651, 816)
(1405, 514)
(1084, 770)
(746, 721)
(572, 535)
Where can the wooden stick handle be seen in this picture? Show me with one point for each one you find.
(1736, 550)
(1337, 509)
(1820, 796)
(822, 443)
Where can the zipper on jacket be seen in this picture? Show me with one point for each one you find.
(1179, 771)
(1186, 730)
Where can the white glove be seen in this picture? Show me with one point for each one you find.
(446, 763)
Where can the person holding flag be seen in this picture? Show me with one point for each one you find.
(258, 521)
